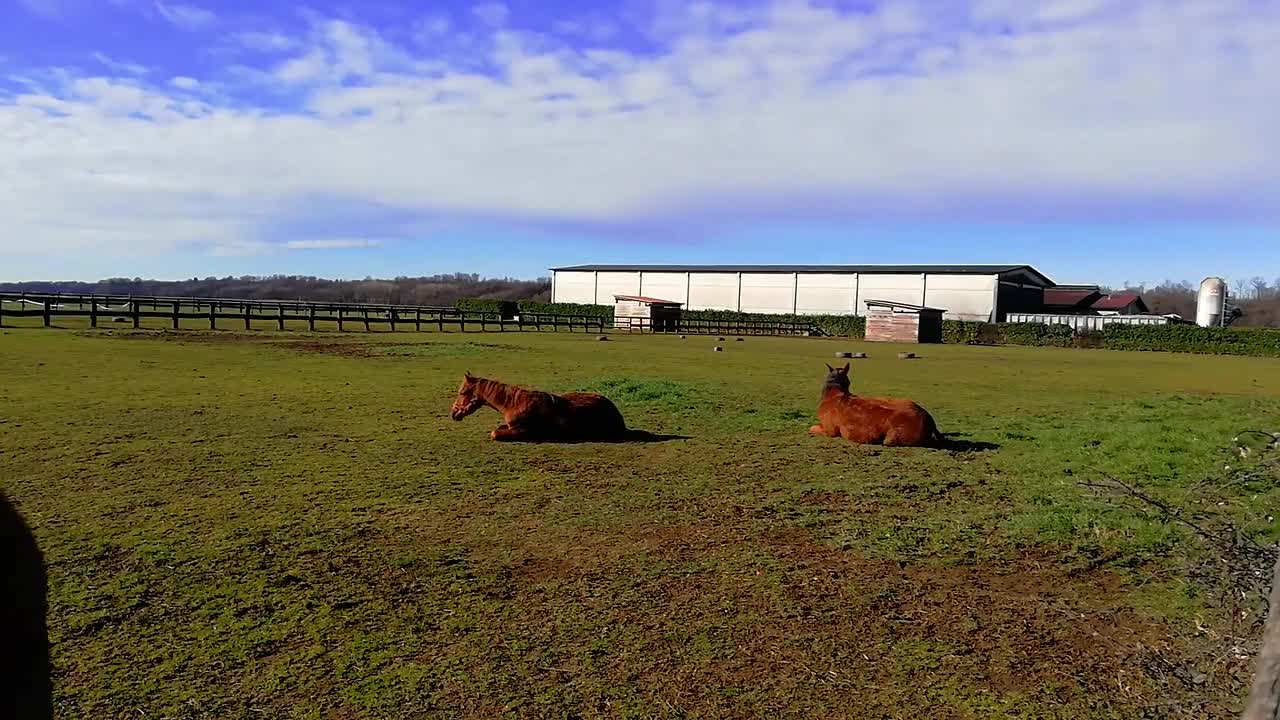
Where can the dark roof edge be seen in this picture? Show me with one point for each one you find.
(869, 269)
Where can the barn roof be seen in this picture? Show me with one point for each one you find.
(646, 300)
(907, 306)
(834, 269)
(1119, 301)
(1071, 296)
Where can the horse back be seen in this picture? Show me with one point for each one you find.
(875, 419)
(594, 410)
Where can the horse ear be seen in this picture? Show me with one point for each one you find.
(845, 369)
(829, 368)
(467, 374)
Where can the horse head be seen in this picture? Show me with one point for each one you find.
(468, 400)
(838, 377)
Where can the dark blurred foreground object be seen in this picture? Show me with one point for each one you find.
(1264, 699)
(26, 687)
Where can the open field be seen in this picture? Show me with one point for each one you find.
(288, 525)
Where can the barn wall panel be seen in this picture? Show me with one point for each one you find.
(665, 286)
(768, 292)
(964, 297)
(616, 283)
(899, 288)
(575, 287)
(713, 291)
(826, 293)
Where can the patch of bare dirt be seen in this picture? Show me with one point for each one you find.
(344, 349)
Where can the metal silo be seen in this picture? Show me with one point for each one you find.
(1211, 301)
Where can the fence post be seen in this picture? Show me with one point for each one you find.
(213, 316)
(136, 308)
(392, 316)
(280, 316)
(440, 319)
(248, 310)
(340, 312)
(366, 319)
(48, 312)
(93, 312)
(176, 308)
(311, 319)
(417, 320)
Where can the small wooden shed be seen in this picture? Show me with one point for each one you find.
(637, 312)
(892, 321)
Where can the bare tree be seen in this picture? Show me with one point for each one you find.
(1259, 285)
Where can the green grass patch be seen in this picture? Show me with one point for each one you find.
(285, 525)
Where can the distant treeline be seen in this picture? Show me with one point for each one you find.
(433, 290)
(1258, 299)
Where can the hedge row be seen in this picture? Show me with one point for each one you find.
(1156, 338)
(511, 308)
(532, 307)
(506, 307)
(1193, 339)
(838, 325)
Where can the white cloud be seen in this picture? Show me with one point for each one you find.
(492, 13)
(267, 42)
(434, 26)
(330, 244)
(184, 83)
(186, 17)
(45, 8)
(120, 66)
(745, 109)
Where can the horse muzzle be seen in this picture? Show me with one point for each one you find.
(458, 412)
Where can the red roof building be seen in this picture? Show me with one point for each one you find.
(1089, 300)
(1071, 299)
(1125, 303)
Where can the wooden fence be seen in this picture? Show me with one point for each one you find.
(686, 326)
(132, 310)
(223, 313)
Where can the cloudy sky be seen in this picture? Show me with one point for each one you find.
(1097, 140)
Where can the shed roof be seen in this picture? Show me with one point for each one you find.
(1119, 301)
(646, 300)
(1070, 296)
(902, 305)
(834, 269)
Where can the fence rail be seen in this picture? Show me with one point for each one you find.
(134, 309)
(689, 326)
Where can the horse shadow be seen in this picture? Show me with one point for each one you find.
(26, 675)
(644, 436)
(629, 437)
(951, 442)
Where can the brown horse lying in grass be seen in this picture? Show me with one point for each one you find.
(536, 416)
(872, 421)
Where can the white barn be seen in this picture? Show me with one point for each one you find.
(965, 292)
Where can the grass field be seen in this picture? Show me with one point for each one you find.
(274, 525)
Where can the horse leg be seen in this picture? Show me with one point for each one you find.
(507, 433)
(824, 431)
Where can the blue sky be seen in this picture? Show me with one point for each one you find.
(1099, 141)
